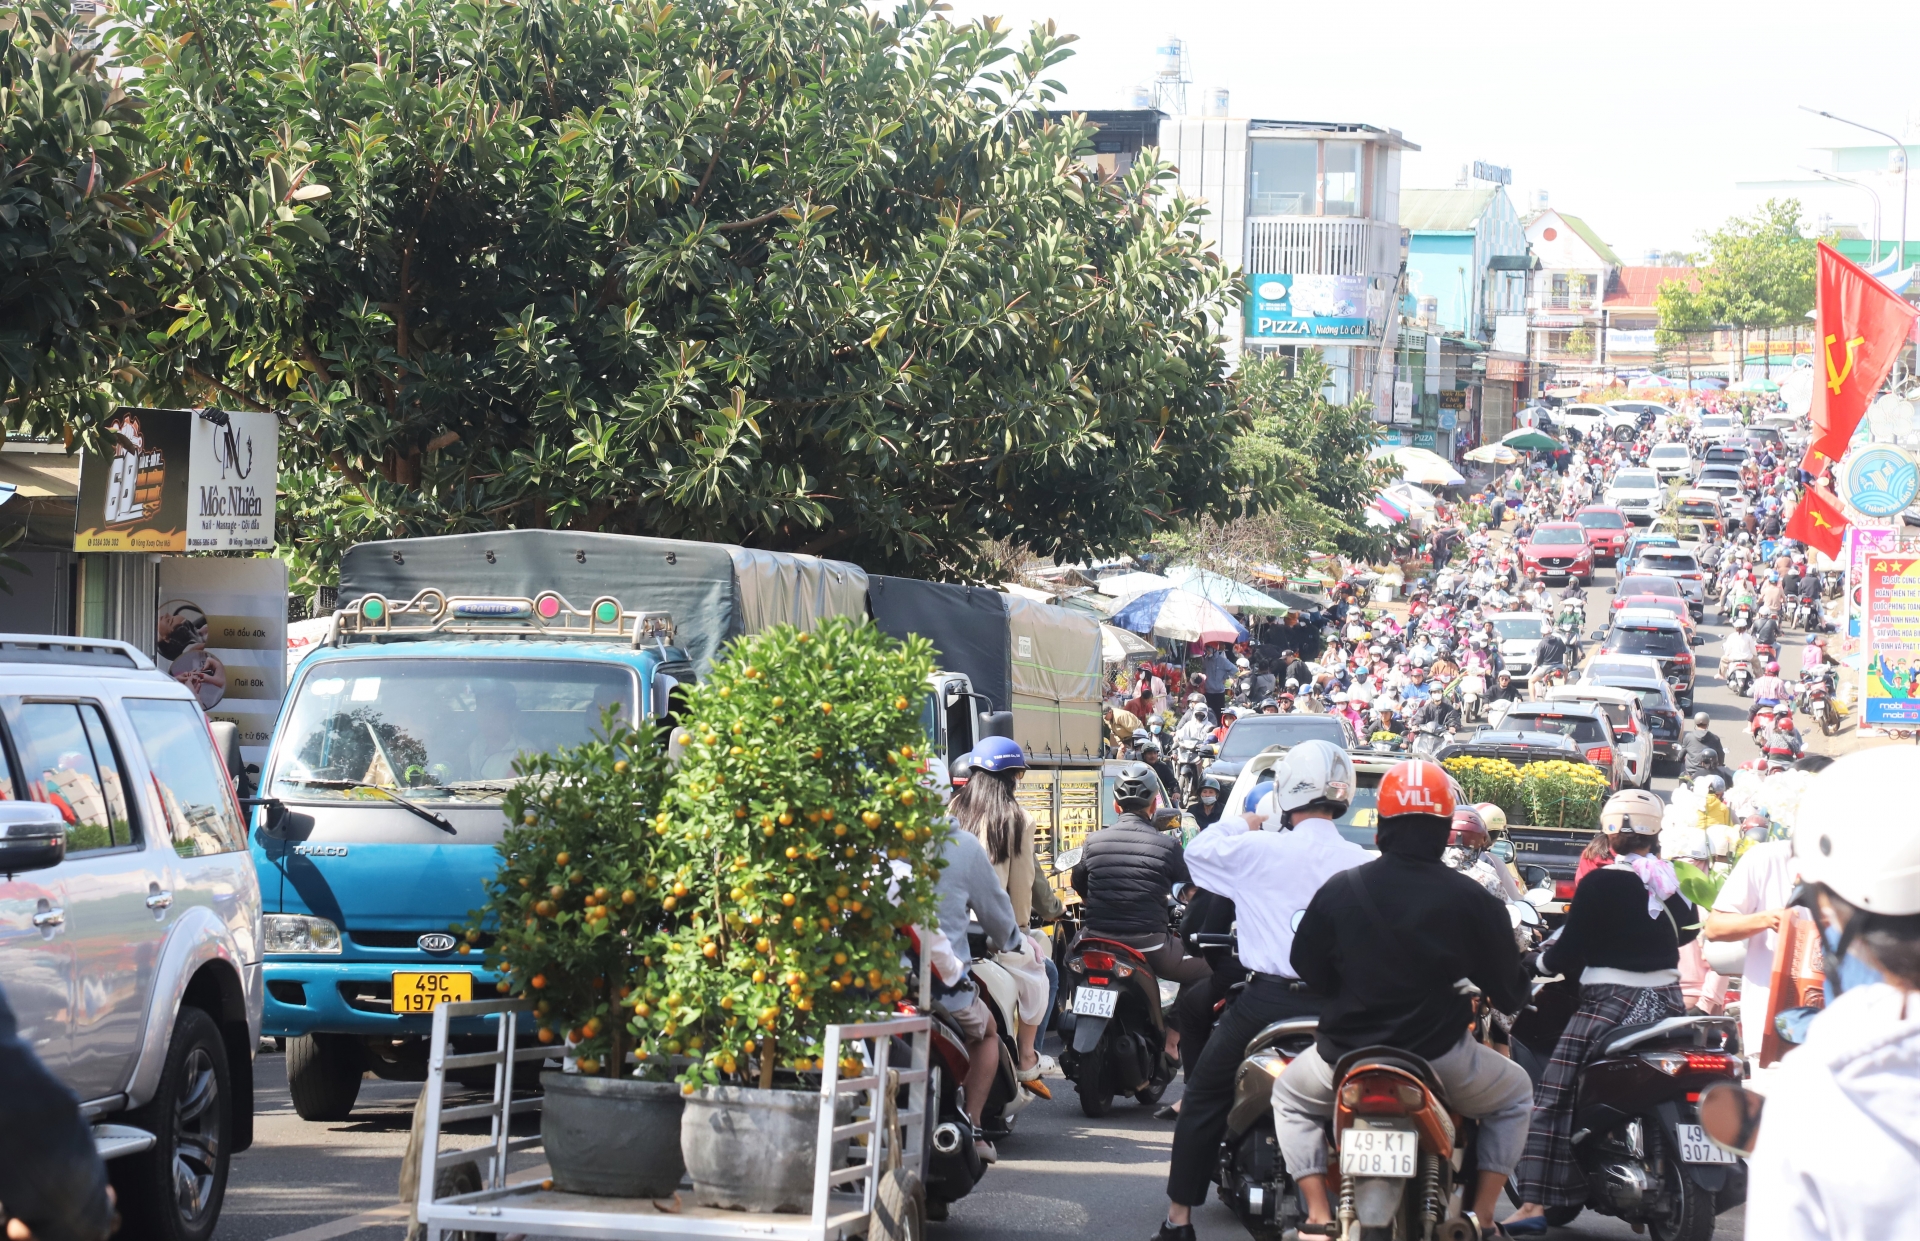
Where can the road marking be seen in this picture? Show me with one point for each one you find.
(397, 1213)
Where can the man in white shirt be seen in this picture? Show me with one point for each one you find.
(1270, 875)
(1752, 905)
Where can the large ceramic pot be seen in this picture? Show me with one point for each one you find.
(614, 1136)
(753, 1150)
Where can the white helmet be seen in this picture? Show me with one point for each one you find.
(1854, 838)
(1633, 812)
(1313, 771)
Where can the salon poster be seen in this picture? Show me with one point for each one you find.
(1892, 698)
(222, 632)
(179, 480)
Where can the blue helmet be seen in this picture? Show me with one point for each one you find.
(999, 754)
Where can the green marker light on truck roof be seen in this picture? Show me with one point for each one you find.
(606, 612)
(373, 609)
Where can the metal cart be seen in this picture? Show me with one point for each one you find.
(878, 1198)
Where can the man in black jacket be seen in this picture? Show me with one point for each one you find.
(1126, 873)
(52, 1184)
(1403, 979)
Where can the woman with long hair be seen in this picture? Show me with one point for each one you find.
(986, 806)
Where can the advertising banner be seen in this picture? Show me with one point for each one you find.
(180, 480)
(1863, 541)
(1290, 307)
(222, 632)
(1892, 698)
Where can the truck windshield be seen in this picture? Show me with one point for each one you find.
(1254, 733)
(441, 729)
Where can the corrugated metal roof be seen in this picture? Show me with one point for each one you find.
(1443, 211)
(1640, 286)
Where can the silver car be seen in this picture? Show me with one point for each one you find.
(1679, 566)
(130, 919)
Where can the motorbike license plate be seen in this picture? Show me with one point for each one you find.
(419, 993)
(1378, 1152)
(1093, 1002)
(1696, 1147)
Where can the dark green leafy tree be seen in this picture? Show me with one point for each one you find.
(98, 254)
(1760, 271)
(787, 272)
(1308, 454)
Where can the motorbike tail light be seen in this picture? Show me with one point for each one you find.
(1563, 889)
(1380, 1094)
(1674, 1063)
(1125, 971)
(1098, 982)
(1600, 754)
(1097, 960)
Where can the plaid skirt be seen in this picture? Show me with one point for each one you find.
(1548, 1173)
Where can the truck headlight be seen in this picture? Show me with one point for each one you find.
(299, 933)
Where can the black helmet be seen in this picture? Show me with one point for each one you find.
(1135, 787)
(1214, 782)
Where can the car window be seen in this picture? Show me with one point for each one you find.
(70, 764)
(1253, 733)
(1601, 521)
(1636, 480)
(1558, 538)
(1646, 640)
(1584, 729)
(1648, 585)
(1670, 561)
(1520, 628)
(193, 788)
(1669, 451)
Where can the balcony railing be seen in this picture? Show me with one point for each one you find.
(1322, 246)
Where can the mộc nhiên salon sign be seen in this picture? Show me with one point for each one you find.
(1305, 307)
(179, 480)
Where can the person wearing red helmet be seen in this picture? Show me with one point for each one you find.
(1393, 979)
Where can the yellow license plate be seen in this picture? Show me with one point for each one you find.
(418, 993)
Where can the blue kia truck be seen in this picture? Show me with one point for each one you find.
(451, 656)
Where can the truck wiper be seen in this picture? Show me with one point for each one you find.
(406, 803)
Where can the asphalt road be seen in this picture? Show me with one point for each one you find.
(1060, 1175)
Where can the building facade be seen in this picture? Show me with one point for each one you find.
(1310, 212)
(1566, 319)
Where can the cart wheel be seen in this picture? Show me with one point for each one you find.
(899, 1208)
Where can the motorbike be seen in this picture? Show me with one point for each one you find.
(1803, 617)
(998, 990)
(1637, 1132)
(1116, 1040)
(1815, 698)
(1739, 675)
(1473, 694)
(954, 1165)
(1402, 1152)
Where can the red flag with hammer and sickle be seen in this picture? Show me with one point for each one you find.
(1860, 326)
(1818, 521)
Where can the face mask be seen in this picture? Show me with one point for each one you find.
(1207, 800)
(1853, 971)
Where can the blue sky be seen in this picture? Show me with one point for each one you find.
(1639, 116)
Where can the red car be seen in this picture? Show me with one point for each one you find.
(1607, 529)
(1558, 549)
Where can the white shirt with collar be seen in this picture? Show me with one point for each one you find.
(1269, 877)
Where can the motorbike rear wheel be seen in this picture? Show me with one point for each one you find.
(1692, 1215)
(1089, 1083)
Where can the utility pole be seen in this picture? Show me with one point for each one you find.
(1899, 146)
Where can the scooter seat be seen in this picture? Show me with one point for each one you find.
(1697, 1030)
(1390, 1057)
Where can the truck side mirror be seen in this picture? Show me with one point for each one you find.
(996, 724)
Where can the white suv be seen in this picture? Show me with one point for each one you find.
(1670, 460)
(1637, 493)
(130, 919)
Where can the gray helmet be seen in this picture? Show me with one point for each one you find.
(1701, 719)
(1135, 786)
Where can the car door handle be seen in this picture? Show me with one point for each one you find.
(50, 917)
(160, 900)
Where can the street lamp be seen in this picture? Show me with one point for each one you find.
(1898, 145)
(1871, 193)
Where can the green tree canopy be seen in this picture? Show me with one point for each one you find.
(1309, 455)
(1760, 269)
(784, 272)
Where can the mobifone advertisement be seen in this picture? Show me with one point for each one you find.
(180, 480)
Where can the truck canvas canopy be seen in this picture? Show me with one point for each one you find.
(713, 591)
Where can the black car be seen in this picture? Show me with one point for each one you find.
(1251, 734)
(1657, 704)
(1659, 638)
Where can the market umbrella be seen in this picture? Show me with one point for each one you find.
(1223, 590)
(1120, 585)
(1387, 507)
(1708, 383)
(1419, 465)
(1530, 439)
(1180, 615)
(1494, 454)
(1117, 645)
